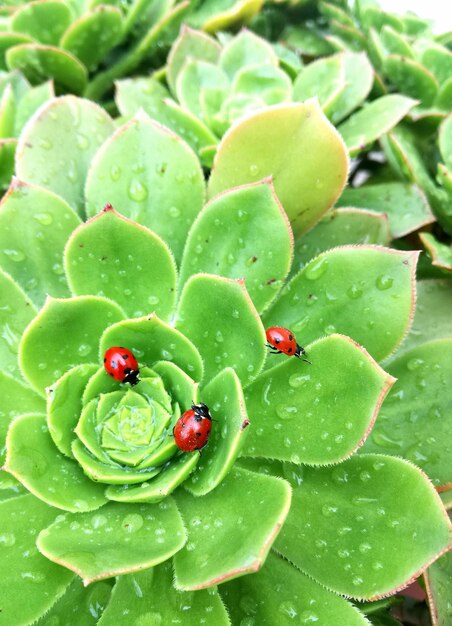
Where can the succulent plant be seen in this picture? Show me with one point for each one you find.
(279, 517)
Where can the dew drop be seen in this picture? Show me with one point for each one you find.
(97, 521)
(364, 548)
(357, 580)
(308, 617)
(174, 211)
(354, 292)
(15, 255)
(286, 412)
(133, 522)
(316, 268)
(384, 282)
(84, 349)
(288, 608)
(137, 191)
(254, 169)
(43, 218)
(7, 540)
(414, 364)
(115, 172)
(45, 143)
(298, 380)
(328, 510)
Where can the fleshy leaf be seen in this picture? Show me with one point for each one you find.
(181, 388)
(27, 574)
(64, 405)
(355, 517)
(405, 204)
(301, 413)
(80, 126)
(9, 40)
(79, 606)
(109, 254)
(324, 78)
(280, 594)
(48, 348)
(44, 21)
(151, 176)
(440, 253)
(34, 227)
(437, 580)
(32, 458)
(374, 120)
(82, 38)
(149, 597)
(245, 50)
(30, 102)
(16, 311)
(364, 292)
(411, 78)
(432, 319)
(414, 420)
(341, 227)
(152, 340)
(213, 17)
(39, 63)
(7, 155)
(82, 543)
(234, 545)
(230, 238)
(445, 141)
(17, 398)
(224, 396)
(359, 77)
(217, 315)
(274, 142)
(197, 78)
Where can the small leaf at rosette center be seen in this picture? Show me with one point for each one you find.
(355, 517)
(152, 340)
(149, 597)
(26, 573)
(114, 257)
(230, 238)
(34, 227)
(76, 125)
(32, 458)
(301, 413)
(65, 333)
(141, 536)
(414, 421)
(221, 546)
(217, 314)
(280, 594)
(224, 397)
(275, 142)
(364, 292)
(151, 176)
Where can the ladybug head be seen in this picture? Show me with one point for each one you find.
(201, 410)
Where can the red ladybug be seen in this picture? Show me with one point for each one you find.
(282, 341)
(121, 364)
(192, 429)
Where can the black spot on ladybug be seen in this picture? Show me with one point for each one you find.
(277, 340)
(105, 360)
(125, 356)
(290, 337)
(289, 350)
(198, 434)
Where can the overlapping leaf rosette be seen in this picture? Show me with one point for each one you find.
(277, 519)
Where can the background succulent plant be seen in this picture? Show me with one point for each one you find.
(315, 493)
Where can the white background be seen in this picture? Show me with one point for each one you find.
(440, 11)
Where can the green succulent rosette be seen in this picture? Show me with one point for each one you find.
(93, 486)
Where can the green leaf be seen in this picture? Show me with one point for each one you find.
(152, 340)
(29, 103)
(411, 78)
(405, 204)
(355, 517)
(10, 487)
(34, 227)
(324, 78)
(225, 398)
(280, 594)
(7, 164)
(32, 458)
(109, 254)
(446, 498)
(395, 42)
(374, 120)
(217, 315)
(234, 544)
(9, 40)
(149, 598)
(214, 16)
(440, 253)
(64, 333)
(190, 43)
(135, 93)
(306, 41)
(82, 543)
(364, 292)
(79, 606)
(7, 107)
(438, 60)
(151, 176)
(180, 387)
(16, 311)
(44, 21)
(413, 422)
(230, 238)
(244, 50)
(437, 580)
(17, 398)
(39, 63)
(445, 141)
(338, 228)
(301, 413)
(78, 125)
(432, 319)
(82, 37)
(26, 573)
(194, 80)
(359, 77)
(274, 142)
(64, 405)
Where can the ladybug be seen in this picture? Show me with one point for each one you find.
(282, 341)
(192, 429)
(121, 364)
